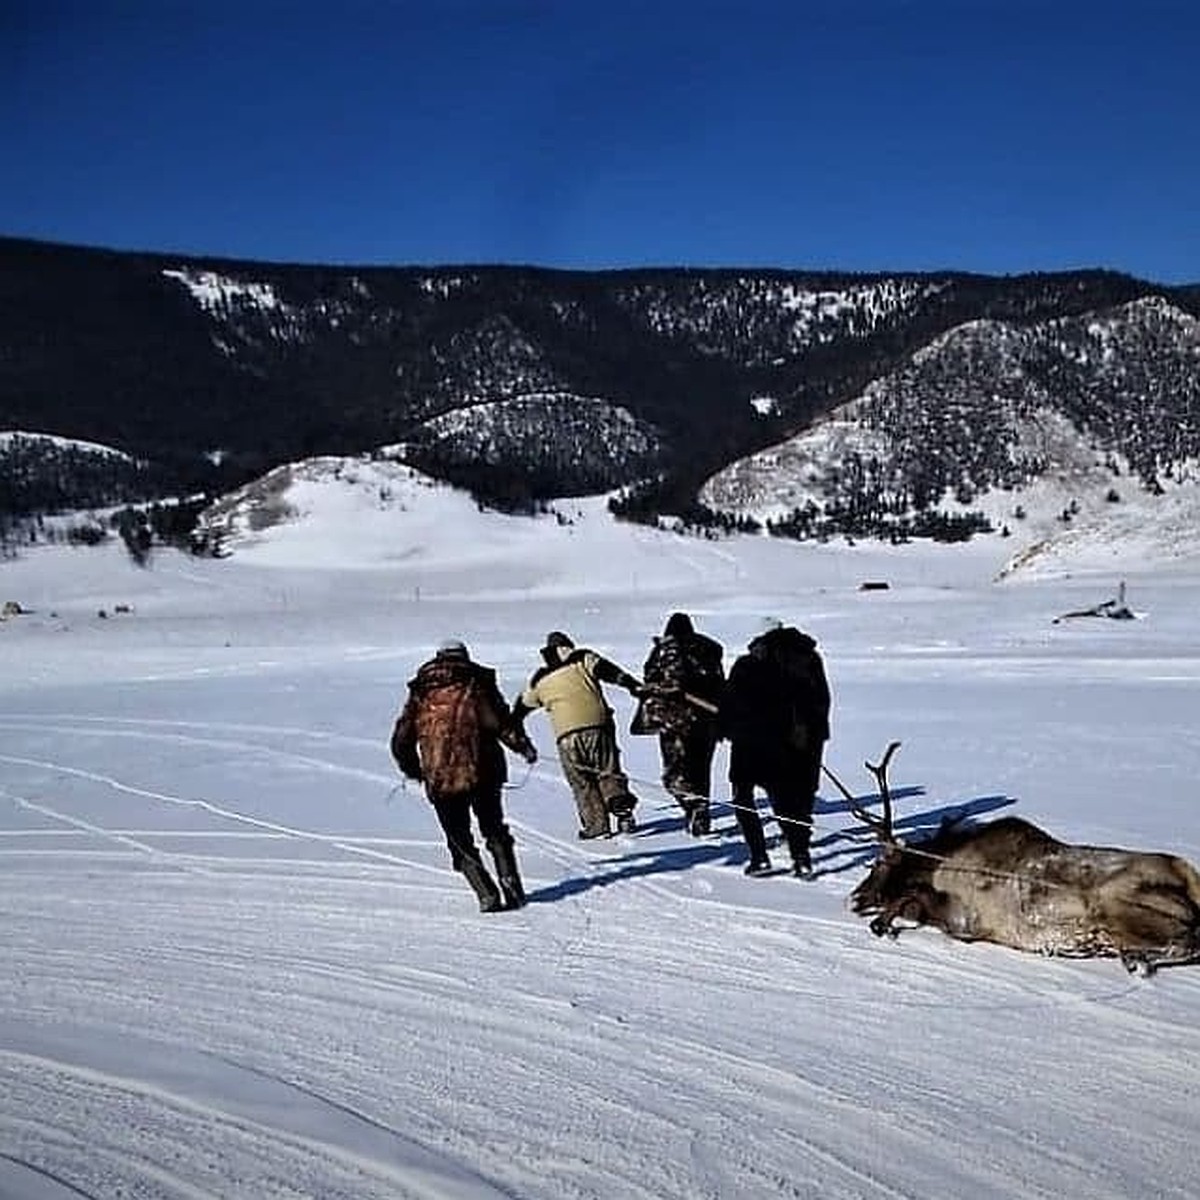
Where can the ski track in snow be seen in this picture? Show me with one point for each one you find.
(238, 964)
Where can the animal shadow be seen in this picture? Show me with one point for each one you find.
(850, 849)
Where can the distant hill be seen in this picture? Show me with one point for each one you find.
(39, 473)
(373, 511)
(1106, 402)
(672, 384)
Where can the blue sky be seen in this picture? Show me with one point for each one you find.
(986, 135)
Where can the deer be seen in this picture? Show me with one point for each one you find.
(1010, 883)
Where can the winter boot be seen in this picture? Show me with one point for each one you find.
(797, 844)
(482, 884)
(758, 866)
(506, 870)
(621, 808)
(797, 836)
(698, 820)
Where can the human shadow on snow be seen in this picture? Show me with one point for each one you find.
(637, 862)
(834, 853)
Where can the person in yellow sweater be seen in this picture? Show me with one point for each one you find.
(568, 687)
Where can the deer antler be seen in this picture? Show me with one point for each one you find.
(880, 825)
(885, 795)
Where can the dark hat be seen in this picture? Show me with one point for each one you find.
(556, 638)
(452, 648)
(679, 625)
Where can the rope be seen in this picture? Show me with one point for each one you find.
(916, 851)
(657, 785)
(516, 787)
(721, 805)
(852, 834)
(887, 838)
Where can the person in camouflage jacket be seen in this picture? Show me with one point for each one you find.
(683, 680)
(449, 738)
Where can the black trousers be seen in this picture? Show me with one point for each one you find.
(792, 807)
(454, 816)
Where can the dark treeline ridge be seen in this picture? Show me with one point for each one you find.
(208, 372)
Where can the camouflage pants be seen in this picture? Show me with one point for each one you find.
(687, 756)
(592, 764)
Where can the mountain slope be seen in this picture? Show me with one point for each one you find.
(1107, 402)
(172, 358)
(373, 512)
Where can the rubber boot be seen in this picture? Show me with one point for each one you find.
(482, 884)
(802, 866)
(697, 818)
(797, 845)
(506, 870)
(797, 833)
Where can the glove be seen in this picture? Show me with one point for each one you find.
(409, 763)
(530, 754)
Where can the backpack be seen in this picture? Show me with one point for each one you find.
(450, 737)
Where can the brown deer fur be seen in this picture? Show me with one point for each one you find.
(1009, 882)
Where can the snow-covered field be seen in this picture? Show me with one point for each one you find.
(236, 964)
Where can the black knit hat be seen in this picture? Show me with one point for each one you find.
(679, 625)
(556, 638)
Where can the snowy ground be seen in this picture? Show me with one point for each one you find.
(237, 965)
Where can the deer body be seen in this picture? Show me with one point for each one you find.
(1011, 883)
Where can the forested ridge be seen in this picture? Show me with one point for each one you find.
(524, 383)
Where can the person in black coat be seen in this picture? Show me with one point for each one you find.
(775, 713)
